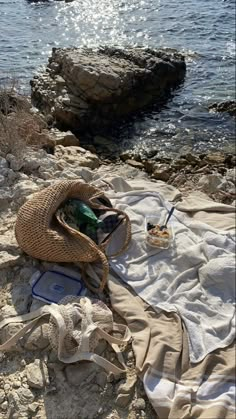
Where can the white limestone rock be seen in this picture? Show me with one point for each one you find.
(25, 396)
(139, 404)
(15, 163)
(8, 260)
(37, 339)
(22, 191)
(3, 164)
(213, 183)
(8, 332)
(76, 156)
(231, 175)
(37, 374)
(2, 396)
(7, 311)
(65, 138)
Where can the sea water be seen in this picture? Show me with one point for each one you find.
(203, 30)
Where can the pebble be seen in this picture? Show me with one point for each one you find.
(161, 172)
(4, 405)
(192, 159)
(216, 157)
(7, 311)
(125, 155)
(33, 407)
(135, 164)
(37, 339)
(139, 404)
(8, 260)
(25, 394)
(7, 387)
(16, 384)
(127, 386)
(37, 374)
(2, 396)
(231, 175)
(130, 355)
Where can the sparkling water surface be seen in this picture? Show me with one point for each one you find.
(204, 30)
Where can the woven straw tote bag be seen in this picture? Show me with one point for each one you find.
(43, 236)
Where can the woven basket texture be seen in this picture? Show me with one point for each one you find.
(41, 236)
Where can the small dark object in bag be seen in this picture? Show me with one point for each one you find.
(150, 226)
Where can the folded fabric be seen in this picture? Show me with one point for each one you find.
(176, 280)
(176, 388)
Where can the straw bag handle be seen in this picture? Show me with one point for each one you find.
(90, 201)
(103, 245)
(101, 255)
(128, 232)
(100, 194)
(105, 272)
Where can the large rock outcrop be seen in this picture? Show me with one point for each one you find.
(90, 89)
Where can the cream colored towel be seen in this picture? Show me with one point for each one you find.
(176, 388)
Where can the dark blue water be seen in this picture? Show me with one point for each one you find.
(204, 30)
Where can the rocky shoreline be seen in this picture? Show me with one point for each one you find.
(33, 384)
(34, 155)
(212, 173)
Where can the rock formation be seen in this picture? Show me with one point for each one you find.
(91, 89)
(229, 106)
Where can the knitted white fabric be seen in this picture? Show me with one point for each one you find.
(76, 325)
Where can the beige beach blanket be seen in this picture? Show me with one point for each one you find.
(176, 388)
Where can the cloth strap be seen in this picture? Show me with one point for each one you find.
(53, 311)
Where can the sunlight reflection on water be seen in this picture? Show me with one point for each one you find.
(204, 30)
